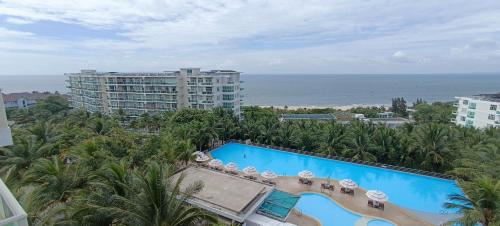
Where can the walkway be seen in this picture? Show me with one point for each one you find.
(356, 203)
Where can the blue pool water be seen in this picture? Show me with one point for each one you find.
(408, 190)
(379, 223)
(325, 210)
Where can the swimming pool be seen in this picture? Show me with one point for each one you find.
(329, 213)
(426, 194)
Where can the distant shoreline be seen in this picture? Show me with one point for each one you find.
(338, 107)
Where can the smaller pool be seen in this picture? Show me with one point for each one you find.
(379, 223)
(328, 213)
(278, 204)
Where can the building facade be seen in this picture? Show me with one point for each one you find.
(480, 111)
(5, 133)
(11, 213)
(25, 99)
(142, 92)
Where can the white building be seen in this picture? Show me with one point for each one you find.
(5, 133)
(480, 111)
(142, 92)
(11, 213)
(25, 99)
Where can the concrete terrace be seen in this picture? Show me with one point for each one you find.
(229, 196)
(356, 203)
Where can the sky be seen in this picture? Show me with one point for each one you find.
(252, 36)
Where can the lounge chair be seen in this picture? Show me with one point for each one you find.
(250, 177)
(345, 191)
(379, 206)
(270, 182)
(327, 186)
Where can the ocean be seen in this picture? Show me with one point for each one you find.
(312, 90)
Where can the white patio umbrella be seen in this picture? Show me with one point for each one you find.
(348, 183)
(377, 196)
(215, 163)
(231, 166)
(198, 153)
(250, 170)
(202, 158)
(306, 174)
(269, 174)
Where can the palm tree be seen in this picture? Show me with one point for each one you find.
(337, 136)
(269, 126)
(14, 161)
(110, 180)
(481, 204)
(53, 185)
(285, 134)
(46, 132)
(432, 143)
(384, 140)
(185, 151)
(361, 146)
(156, 199)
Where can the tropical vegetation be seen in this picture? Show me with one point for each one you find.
(70, 167)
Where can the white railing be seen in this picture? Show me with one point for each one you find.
(15, 214)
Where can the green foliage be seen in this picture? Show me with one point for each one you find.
(75, 168)
(436, 112)
(481, 205)
(399, 106)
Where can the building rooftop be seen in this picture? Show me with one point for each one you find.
(307, 116)
(494, 97)
(489, 97)
(26, 95)
(91, 72)
(229, 196)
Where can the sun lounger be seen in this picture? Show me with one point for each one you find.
(379, 206)
(269, 182)
(345, 191)
(327, 186)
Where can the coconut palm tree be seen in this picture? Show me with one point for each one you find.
(481, 204)
(361, 146)
(285, 134)
(384, 140)
(156, 199)
(432, 141)
(337, 137)
(185, 151)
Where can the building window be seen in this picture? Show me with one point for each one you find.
(465, 102)
(462, 118)
(491, 117)
(472, 105)
(471, 114)
(493, 107)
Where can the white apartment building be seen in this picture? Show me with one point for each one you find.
(143, 92)
(480, 111)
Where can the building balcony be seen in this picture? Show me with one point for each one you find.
(455, 105)
(453, 120)
(11, 213)
(454, 113)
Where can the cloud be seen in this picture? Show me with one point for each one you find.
(20, 21)
(279, 35)
(401, 57)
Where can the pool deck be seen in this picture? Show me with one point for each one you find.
(356, 203)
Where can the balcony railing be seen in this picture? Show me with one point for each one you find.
(13, 212)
